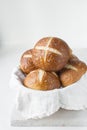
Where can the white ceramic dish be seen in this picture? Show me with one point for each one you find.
(37, 104)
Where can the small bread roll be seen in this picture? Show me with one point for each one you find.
(72, 71)
(51, 54)
(26, 64)
(42, 80)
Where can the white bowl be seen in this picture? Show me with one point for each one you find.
(37, 104)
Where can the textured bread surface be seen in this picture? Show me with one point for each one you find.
(72, 71)
(41, 80)
(26, 63)
(51, 54)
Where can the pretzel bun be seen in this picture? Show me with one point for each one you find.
(72, 71)
(26, 64)
(42, 80)
(51, 54)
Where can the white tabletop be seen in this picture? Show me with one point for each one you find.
(8, 61)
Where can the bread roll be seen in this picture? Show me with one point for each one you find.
(26, 64)
(72, 71)
(51, 54)
(42, 80)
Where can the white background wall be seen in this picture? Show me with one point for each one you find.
(26, 21)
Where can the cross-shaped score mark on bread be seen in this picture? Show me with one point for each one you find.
(40, 74)
(47, 48)
(27, 56)
(69, 66)
(54, 74)
(49, 41)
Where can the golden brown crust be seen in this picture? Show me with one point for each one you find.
(51, 54)
(41, 80)
(26, 64)
(72, 72)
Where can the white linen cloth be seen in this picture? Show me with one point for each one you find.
(38, 104)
